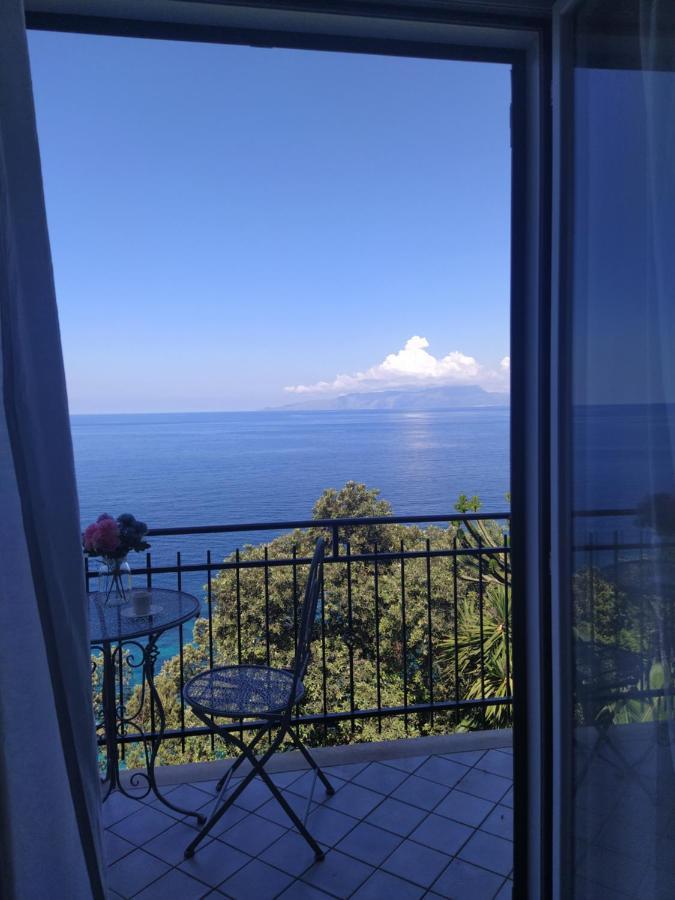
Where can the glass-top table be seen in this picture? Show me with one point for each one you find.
(119, 622)
(117, 632)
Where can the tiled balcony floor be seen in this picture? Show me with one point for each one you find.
(421, 824)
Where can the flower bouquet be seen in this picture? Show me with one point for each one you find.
(112, 539)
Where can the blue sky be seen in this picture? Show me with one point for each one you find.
(230, 222)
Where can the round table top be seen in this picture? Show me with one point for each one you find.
(118, 623)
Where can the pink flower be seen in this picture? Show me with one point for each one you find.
(102, 537)
(89, 537)
(107, 536)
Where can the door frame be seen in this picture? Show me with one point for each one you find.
(562, 759)
(519, 34)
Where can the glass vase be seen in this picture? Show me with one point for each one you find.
(114, 581)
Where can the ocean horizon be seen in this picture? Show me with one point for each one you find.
(197, 468)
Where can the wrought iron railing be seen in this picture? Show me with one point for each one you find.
(623, 589)
(452, 561)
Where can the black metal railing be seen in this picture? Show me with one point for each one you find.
(622, 592)
(416, 586)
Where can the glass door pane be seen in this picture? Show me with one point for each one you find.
(618, 375)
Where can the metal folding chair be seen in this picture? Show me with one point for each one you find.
(267, 696)
(608, 677)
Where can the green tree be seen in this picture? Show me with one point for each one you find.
(355, 500)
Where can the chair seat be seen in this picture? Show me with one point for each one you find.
(242, 691)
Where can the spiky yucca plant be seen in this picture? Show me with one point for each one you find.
(497, 680)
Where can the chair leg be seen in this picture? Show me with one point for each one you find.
(290, 812)
(257, 768)
(218, 814)
(245, 753)
(330, 790)
(235, 765)
(628, 769)
(620, 763)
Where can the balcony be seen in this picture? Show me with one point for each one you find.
(404, 709)
(423, 776)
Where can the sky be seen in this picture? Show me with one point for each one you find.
(232, 227)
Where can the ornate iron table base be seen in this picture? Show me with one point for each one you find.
(118, 720)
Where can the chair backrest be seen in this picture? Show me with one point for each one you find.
(308, 614)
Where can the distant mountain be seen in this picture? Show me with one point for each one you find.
(449, 397)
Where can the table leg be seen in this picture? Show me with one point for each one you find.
(112, 779)
(149, 659)
(141, 782)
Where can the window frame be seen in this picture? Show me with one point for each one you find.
(518, 34)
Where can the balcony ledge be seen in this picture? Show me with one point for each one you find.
(374, 751)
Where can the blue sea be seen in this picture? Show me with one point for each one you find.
(221, 468)
(226, 468)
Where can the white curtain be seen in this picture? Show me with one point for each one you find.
(50, 834)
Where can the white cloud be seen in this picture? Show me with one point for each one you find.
(505, 364)
(409, 367)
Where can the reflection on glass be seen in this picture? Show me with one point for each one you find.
(623, 371)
